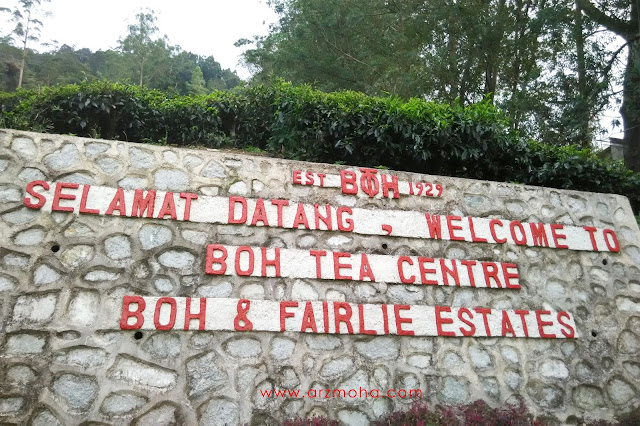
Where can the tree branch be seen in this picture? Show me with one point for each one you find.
(618, 26)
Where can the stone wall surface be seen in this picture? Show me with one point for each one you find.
(65, 360)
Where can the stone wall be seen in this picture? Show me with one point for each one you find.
(64, 358)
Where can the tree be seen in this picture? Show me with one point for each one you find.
(138, 42)
(27, 28)
(621, 18)
(197, 85)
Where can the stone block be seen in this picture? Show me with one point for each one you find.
(122, 404)
(140, 373)
(77, 392)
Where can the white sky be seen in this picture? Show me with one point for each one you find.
(199, 26)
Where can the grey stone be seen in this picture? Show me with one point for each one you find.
(205, 373)
(44, 275)
(510, 354)
(163, 346)
(620, 391)
(239, 188)
(9, 194)
(282, 348)
(289, 379)
(633, 368)
(421, 361)
(359, 380)
(213, 169)
(163, 414)
(83, 307)
(170, 157)
(554, 368)
(353, 418)
(7, 283)
(339, 241)
(77, 229)
(243, 347)
(152, 236)
(512, 379)
(118, 247)
(451, 361)
(65, 157)
(479, 357)
(545, 396)
(141, 158)
(121, 404)
(35, 308)
(79, 178)
(20, 375)
(455, 390)
(379, 348)
(223, 289)
(405, 294)
(109, 165)
(178, 259)
(163, 284)
(252, 291)
(141, 373)
(76, 255)
(45, 418)
(132, 182)
(4, 163)
(17, 260)
(10, 405)
(81, 356)
(627, 304)
(25, 148)
(20, 216)
(301, 290)
(491, 387)
(195, 237)
(29, 174)
(171, 180)
(219, 412)
(25, 344)
(245, 379)
(97, 275)
(77, 391)
(628, 343)
(191, 161)
(93, 149)
(336, 368)
(587, 397)
(322, 343)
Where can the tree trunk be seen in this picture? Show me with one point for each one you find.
(24, 49)
(630, 110)
(584, 136)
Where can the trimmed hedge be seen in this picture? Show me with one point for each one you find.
(306, 124)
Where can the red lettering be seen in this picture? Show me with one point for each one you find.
(266, 262)
(188, 196)
(492, 228)
(424, 271)
(326, 219)
(308, 319)
(117, 203)
(337, 266)
(140, 203)
(484, 312)
(522, 240)
(297, 178)
(434, 225)
(345, 317)
(522, 313)
(284, 314)
(400, 320)
(279, 205)
(83, 202)
(490, 270)
(404, 279)
(393, 185)
(41, 198)
(447, 271)
(348, 182)
(363, 330)
(612, 245)
(453, 228)
(539, 234)
(592, 231)
(557, 237)
(249, 270)
(542, 324)
(506, 325)
(128, 313)
(172, 313)
(259, 214)
(318, 255)
(211, 259)
(301, 217)
(365, 268)
(58, 195)
(309, 176)
(200, 316)
(322, 176)
(348, 221)
(440, 321)
(385, 319)
(509, 275)
(474, 238)
(325, 316)
(469, 265)
(233, 200)
(168, 207)
(472, 327)
(570, 332)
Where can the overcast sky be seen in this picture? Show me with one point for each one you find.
(202, 27)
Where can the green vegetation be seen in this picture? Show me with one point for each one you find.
(298, 122)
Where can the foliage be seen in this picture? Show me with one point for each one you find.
(298, 122)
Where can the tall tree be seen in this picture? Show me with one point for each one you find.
(27, 27)
(139, 41)
(621, 18)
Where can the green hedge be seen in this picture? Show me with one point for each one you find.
(306, 124)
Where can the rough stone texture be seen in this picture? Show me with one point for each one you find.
(65, 360)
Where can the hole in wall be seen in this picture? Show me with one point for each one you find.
(55, 248)
(605, 261)
(384, 246)
(137, 335)
(594, 333)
